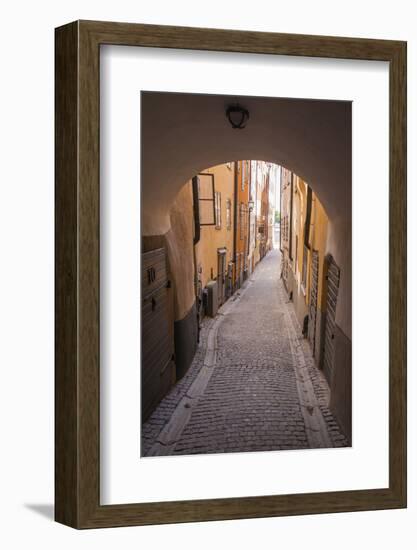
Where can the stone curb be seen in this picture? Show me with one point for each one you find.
(172, 431)
(316, 427)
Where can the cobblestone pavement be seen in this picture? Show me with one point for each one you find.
(253, 385)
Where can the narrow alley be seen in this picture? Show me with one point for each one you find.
(253, 384)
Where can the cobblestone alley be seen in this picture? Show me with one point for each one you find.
(253, 385)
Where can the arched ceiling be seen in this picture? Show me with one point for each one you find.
(183, 134)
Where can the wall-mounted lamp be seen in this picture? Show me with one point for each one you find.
(238, 116)
(251, 204)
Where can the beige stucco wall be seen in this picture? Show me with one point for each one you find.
(319, 230)
(328, 237)
(317, 238)
(299, 212)
(339, 245)
(211, 238)
(179, 240)
(312, 138)
(179, 243)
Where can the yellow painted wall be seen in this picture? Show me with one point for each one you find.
(299, 215)
(211, 238)
(317, 237)
(285, 223)
(319, 232)
(293, 267)
(242, 225)
(261, 209)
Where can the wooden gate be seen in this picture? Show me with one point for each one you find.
(312, 311)
(158, 368)
(332, 289)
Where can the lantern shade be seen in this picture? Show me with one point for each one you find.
(238, 116)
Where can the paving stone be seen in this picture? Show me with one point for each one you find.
(250, 400)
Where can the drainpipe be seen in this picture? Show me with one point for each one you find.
(196, 210)
(235, 215)
(249, 213)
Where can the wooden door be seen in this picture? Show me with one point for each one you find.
(332, 289)
(312, 310)
(221, 275)
(158, 368)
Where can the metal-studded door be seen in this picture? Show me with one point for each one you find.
(332, 288)
(158, 368)
(312, 310)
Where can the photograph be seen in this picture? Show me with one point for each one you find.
(230, 274)
(209, 251)
(246, 286)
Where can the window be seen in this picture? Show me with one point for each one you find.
(229, 214)
(203, 202)
(308, 218)
(204, 199)
(218, 209)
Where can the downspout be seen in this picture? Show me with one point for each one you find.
(235, 215)
(196, 210)
(308, 218)
(249, 212)
(196, 239)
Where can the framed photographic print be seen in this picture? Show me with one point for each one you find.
(230, 274)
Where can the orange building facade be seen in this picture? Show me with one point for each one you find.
(242, 222)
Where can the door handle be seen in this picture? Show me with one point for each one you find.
(151, 275)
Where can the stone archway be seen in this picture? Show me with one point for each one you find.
(185, 133)
(182, 134)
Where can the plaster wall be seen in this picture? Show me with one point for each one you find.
(242, 217)
(179, 243)
(191, 132)
(212, 238)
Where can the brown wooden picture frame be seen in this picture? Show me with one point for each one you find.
(77, 372)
